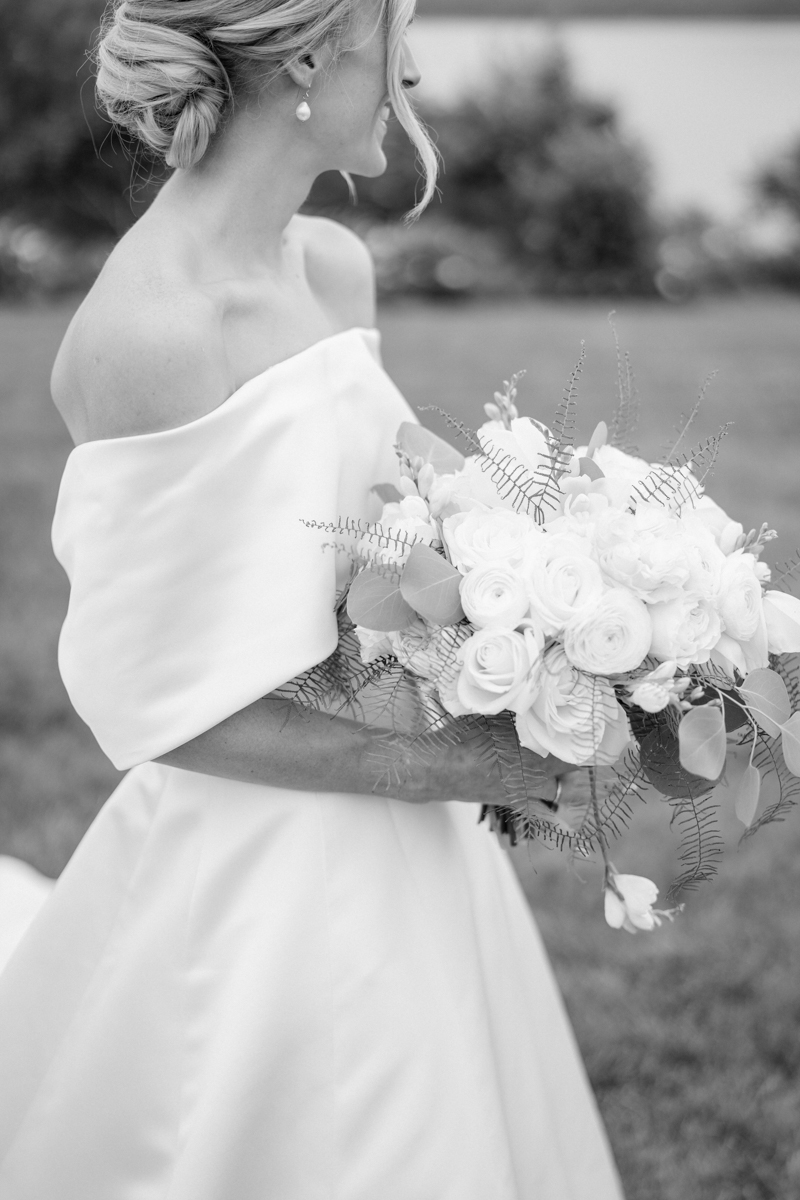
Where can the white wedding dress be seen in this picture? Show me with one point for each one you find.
(238, 992)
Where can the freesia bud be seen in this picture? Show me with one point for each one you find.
(629, 903)
(407, 487)
(426, 479)
(492, 412)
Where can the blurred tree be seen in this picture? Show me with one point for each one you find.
(779, 184)
(59, 165)
(543, 168)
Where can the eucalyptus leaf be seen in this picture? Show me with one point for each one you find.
(587, 466)
(432, 586)
(418, 442)
(387, 493)
(702, 741)
(790, 742)
(598, 439)
(765, 694)
(374, 601)
(748, 792)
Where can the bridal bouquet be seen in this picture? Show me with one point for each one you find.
(576, 608)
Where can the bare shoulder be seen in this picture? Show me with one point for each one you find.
(340, 270)
(143, 353)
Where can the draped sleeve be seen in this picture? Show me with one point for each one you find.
(195, 586)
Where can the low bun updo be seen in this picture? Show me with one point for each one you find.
(167, 70)
(164, 86)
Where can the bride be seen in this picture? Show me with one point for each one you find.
(263, 976)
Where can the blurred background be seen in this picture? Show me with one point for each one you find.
(641, 156)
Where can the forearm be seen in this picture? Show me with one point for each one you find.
(272, 742)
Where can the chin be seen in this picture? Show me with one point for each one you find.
(370, 162)
(372, 168)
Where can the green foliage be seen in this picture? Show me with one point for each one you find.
(59, 166)
(543, 169)
(779, 184)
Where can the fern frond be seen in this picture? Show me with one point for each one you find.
(769, 760)
(787, 573)
(701, 841)
(689, 421)
(625, 419)
(512, 479)
(679, 483)
(364, 530)
(550, 471)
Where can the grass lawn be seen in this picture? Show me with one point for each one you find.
(691, 1035)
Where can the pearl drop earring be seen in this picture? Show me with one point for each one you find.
(303, 110)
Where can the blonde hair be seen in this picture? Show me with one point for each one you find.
(167, 70)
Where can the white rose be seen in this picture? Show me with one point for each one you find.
(477, 538)
(494, 596)
(782, 613)
(469, 488)
(725, 532)
(404, 522)
(644, 551)
(572, 715)
(563, 583)
(614, 637)
(629, 904)
(496, 667)
(686, 630)
(740, 601)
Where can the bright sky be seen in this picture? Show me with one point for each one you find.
(710, 100)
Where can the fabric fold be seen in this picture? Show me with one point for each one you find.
(195, 586)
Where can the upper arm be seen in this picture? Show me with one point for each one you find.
(341, 271)
(140, 364)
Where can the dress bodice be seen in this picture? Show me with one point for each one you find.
(195, 587)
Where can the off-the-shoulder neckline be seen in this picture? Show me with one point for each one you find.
(235, 395)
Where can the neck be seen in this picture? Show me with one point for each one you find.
(238, 200)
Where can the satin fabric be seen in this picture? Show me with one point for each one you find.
(238, 992)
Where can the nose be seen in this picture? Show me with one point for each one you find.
(411, 73)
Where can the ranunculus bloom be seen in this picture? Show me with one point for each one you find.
(644, 551)
(493, 596)
(782, 614)
(705, 559)
(686, 630)
(614, 637)
(408, 520)
(632, 908)
(725, 532)
(477, 538)
(740, 600)
(572, 715)
(496, 668)
(563, 583)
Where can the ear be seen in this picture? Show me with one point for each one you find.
(302, 71)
